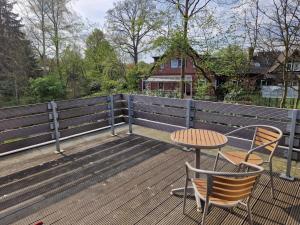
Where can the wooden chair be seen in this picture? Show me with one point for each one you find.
(223, 189)
(265, 137)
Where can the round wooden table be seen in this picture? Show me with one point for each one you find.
(197, 139)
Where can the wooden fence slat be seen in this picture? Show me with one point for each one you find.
(237, 120)
(24, 132)
(4, 148)
(81, 120)
(247, 134)
(159, 101)
(86, 119)
(68, 104)
(160, 110)
(18, 111)
(88, 127)
(155, 125)
(18, 122)
(65, 114)
(259, 111)
(160, 118)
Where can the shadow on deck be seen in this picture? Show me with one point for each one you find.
(128, 181)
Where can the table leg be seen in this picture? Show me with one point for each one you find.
(200, 203)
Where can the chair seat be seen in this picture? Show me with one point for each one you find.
(237, 157)
(201, 184)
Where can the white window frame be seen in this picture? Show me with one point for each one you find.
(176, 63)
(296, 66)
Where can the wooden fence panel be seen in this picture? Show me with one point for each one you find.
(13, 123)
(6, 113)
(246, 110)
(170, 111)
(149, 100)
(237, 120)
(68, 104)
(156, 126)
(24, 132)
(26, 142)
(160, 118)
(88, 127)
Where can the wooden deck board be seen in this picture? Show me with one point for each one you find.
(130, 184)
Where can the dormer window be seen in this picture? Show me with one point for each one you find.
(176, 63)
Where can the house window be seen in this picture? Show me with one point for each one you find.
(162, 66)
(289, 67)
(160, 85)
(176, 63)
(295, 66)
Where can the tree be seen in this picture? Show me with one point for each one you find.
(281, 30)
(72, 68)
(132, 25)
(135, 74)
(16, 60)
(187, 9)
(63, 27)
(103, 67)
(35, 15)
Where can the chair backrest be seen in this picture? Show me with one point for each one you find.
(228, 186)
(267, 134)
(232, 189)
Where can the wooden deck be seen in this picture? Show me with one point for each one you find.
(128, 181)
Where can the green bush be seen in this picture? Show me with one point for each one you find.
(47, 88)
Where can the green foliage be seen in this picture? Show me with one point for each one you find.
(47, 88)
(135, 74)
(202, 90)
(229, 61)
(104, 70)
(72, 68)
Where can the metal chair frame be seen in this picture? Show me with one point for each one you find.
(253, 149)
(210, 177)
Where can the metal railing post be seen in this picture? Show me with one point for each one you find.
(111, 114)
(293, 117)
(54, 125)
(189, 114)
(130, 113)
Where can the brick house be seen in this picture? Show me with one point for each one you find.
(166, 75)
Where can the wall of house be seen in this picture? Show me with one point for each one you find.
(167, 70)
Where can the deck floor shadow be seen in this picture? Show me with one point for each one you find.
(128, 181)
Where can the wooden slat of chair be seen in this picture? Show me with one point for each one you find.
(266, 136)
(233, 181)
(237, 157)
(267, 132)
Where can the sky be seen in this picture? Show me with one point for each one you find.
(93, 10)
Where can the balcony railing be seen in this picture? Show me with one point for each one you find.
(29, 126)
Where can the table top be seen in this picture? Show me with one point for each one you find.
(199, 138)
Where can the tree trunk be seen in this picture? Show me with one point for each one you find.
(182, 79)
(43, 58)
(56, 43)
(183, 58)
(135, 56)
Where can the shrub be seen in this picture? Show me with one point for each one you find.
(47, 88)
